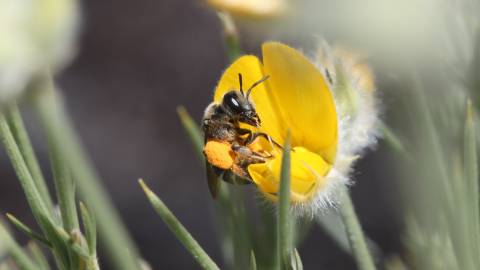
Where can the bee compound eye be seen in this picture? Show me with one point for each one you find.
(234, 102)
(231, 101)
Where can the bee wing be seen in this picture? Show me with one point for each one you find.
(234, 179)
(213, 179)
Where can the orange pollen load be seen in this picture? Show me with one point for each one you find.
(219, 154)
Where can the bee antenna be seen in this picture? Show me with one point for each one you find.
(241, 83)
(255, 84)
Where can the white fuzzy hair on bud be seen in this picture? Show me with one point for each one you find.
(352, 84)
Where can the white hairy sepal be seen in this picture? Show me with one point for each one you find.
(358, 128)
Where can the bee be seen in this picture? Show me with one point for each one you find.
(227, 145)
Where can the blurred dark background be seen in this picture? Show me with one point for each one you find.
(137, 61)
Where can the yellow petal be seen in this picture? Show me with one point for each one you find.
(252, 71)
(261, 145)
(303, 99)
(308, 172)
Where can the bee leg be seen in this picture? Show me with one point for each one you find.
(236, 146)
(268, 156)
(243, 131)
(243, 154)
(255, 135)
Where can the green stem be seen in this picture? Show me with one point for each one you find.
(120, 248)
(65, 190)
(332, 225)
(434, 142)
(354, 231)
(193, 131)
(296, 261)
(284, 236)
(42, 214)
(230, 33)
(28, 231)
(253, 261)
(20, 134)
(17, 253)
(64, 186)
(38, 256)
(234, 215)
(471, 179)
(90, 228)
(394, 142)
(180, 232)
(26, 180)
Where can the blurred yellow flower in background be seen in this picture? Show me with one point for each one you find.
(251, 8)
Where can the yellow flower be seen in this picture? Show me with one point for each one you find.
(295, 98)
(251, 8)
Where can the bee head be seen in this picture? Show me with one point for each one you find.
(238, 105)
